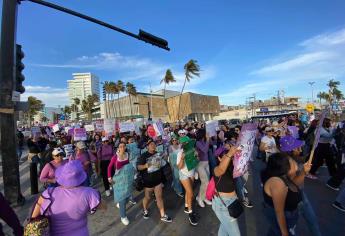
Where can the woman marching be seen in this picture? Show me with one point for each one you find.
(174, 149)
(122, 180)
(225, 192)
(104, 154)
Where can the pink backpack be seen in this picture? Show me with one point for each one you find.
(211, 188)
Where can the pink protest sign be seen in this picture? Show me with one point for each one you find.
(80, 134)
(246, 141)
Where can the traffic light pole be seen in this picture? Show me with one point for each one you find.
(10, 164)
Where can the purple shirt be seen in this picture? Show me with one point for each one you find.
(202, 149)
(105, 152)
(69, 210)
(48, 171)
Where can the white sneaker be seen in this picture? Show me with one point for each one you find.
(201, 203)
(125, 221)
(118, 205)
(111, 188)
(196, 176)
(107, 193)
(208, 202)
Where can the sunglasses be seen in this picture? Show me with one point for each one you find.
(174, 140)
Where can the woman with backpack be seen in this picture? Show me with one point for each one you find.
(225, 196)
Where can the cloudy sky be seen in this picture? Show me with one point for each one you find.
(243, 48)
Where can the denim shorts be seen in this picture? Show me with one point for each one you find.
(184, 177)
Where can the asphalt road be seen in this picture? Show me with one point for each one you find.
(252, 222)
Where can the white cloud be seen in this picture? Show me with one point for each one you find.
(51, 97)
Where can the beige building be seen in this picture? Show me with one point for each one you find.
(193, 107)
(82, 85)
(196, 107)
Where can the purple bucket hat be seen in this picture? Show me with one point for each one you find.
(71, 174)
(289, 143)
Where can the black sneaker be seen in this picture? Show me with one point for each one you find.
(335, 188)
(187, 211)
(246, 202)
(338, 206)
(166, 218)
(193, 219)
(146, 214)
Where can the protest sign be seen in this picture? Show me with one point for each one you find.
(80, 134)
(35, 131)
(70, 131)
(139, 123)
(99, 127)
(211, 128)
(48, 132)
(127, 127)
(56, 128)
(89, 128)
(317, 135)
(246, 141)
(123, 179)
(151, 131)
(189, 155)
(109, 127)
(293, 131)
(158, 126)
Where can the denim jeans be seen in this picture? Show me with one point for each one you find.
(308, 214)
(341, 196)
(228, 225)
(19, 152)
(239, 184)
(291, 221)
(204, 175)
(123, 207)
(176, 181)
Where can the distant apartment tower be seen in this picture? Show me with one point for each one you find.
(82, 85)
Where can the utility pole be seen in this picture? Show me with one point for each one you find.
(10, 164)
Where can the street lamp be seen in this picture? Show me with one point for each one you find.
(312, 91)
(148, 108)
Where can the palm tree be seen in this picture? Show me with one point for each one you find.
(191, 69)
(113, 91)
(76, 106)
(120, 88)
(67, 111)
(131, 90)
(168, 78)
(88, 104)
(107, 90)
(35, 105)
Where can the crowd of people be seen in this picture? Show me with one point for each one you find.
(129, 162)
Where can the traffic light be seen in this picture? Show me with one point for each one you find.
(154, 40)
(19, 78)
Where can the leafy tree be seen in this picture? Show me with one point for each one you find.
(75, 107)
(88, 104)
(67, 111)
(131, 91)
(35, 105)
(119, 88)
(168, 78)
(191, 69)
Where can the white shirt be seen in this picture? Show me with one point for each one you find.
(184, 170)
(270, 143)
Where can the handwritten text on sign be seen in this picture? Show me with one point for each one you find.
(79, 134)
(246, 140)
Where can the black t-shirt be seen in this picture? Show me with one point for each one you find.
(152, 176)
(225, 183)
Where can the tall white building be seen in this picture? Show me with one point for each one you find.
(82, 85)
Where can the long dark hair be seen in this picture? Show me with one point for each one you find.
(278, 165)
(201, 135)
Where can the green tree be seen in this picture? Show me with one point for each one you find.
(88, 105)
(113, 91)
(168, 78)
(67, 111)
(131, 90)
(120, 88)
(323, 95)
(44, 119)
(35, 105)
(75, 106)
(191, 69)
(107, 90)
